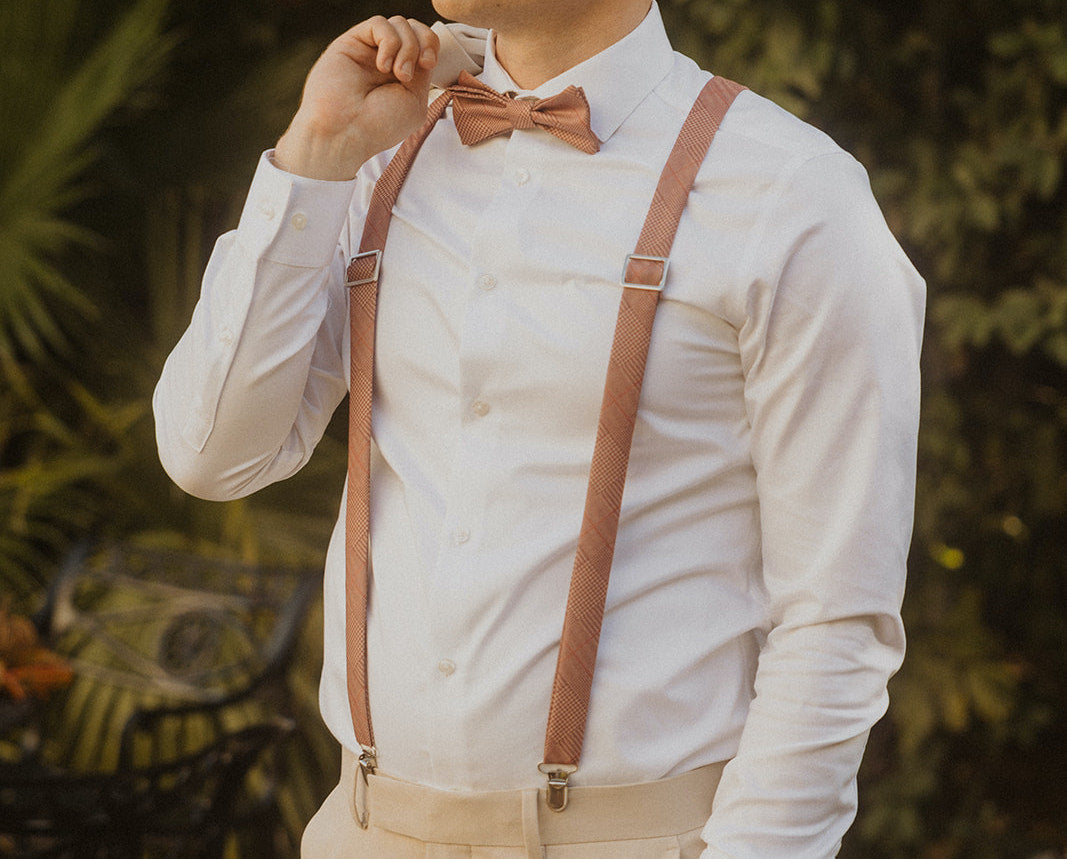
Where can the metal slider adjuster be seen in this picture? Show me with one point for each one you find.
(368, 765)
(557, 783)
(654, 287)
(359, 258)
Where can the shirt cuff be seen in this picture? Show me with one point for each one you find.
(291, 219)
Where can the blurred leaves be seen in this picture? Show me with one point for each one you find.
(56, 95)
(130, 130)
(1021, 319)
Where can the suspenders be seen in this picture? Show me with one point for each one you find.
(643, 277)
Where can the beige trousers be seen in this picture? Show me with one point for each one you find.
(656, 820)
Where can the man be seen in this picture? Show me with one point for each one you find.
(753, 609)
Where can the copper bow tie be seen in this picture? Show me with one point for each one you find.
(480, 112)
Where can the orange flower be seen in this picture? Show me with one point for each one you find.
(26, 666)
(37, 678)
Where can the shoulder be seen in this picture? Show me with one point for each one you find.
(755, 132)
(765, 155)
(778, 196)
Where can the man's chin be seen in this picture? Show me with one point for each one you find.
(487, 14)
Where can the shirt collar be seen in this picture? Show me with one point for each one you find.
(615, 81)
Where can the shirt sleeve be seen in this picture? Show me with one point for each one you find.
(830, 350)
(249, 389)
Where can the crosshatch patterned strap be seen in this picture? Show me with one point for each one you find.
(646, 268)
(362, 278)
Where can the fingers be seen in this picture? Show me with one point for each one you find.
(403, 45)
(429, 44)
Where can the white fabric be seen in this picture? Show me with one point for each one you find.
(462, 50)
(768, 509)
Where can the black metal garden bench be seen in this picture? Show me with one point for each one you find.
(180, 694)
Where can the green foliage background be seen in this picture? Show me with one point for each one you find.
(129, 130)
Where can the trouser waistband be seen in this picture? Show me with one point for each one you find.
(516, 818)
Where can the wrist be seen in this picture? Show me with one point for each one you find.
(333, 157)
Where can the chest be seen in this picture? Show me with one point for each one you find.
(502, 274)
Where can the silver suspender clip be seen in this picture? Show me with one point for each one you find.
(557, 783)
(654, 287)
(368, 765)
(359, 258)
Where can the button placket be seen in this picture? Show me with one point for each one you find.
(482, 326)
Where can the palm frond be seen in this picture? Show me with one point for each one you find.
(57, 111)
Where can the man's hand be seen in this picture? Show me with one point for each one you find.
(366, 93)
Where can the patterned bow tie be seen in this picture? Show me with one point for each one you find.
(480, 112)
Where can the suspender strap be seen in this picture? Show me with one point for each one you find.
(362, 278)
(644, 275)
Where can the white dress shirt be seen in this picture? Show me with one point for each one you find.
(753, 610)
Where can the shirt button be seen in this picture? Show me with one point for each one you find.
(300, 221)
(461, 536)
(446, 667)
(226, 336)
(522, 176)
(267, 211)
(480, 408)
(487, 282)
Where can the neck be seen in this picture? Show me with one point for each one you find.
(544, 49)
